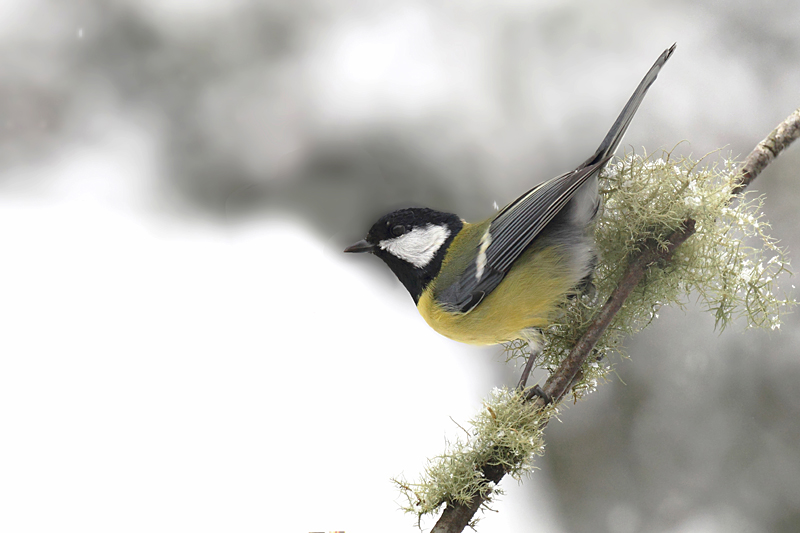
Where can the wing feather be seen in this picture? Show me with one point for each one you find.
(512, 230)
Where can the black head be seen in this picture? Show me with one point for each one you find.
(412, 242)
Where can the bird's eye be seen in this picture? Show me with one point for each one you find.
(398, 230)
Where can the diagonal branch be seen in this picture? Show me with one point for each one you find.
(768, 149)
(560, 381)
(456, 517)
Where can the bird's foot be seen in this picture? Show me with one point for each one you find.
(536, 390)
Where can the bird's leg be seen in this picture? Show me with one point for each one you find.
(526, 372)
(536, 390)
(535, 348)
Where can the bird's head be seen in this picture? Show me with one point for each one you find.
(412, 242)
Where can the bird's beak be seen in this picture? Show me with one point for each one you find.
(360, 247)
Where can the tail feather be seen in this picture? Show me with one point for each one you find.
(615, 134)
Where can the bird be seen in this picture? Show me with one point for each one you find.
(505, 278)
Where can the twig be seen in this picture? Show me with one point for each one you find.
(768, 149)
(456, 517)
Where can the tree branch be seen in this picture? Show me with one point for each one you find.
(768, 149)
(560, 381)
(456, 517)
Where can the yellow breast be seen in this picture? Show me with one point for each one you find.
(528, 297)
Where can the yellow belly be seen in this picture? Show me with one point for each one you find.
(528, 297)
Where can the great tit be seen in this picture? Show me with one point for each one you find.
(504, 278)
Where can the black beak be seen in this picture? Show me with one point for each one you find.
(360, 247)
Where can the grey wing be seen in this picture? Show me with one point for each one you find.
(518, 224)
(511, 231)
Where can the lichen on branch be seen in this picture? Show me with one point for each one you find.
(729, 265)
(506, 433)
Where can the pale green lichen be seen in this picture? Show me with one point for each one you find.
(507, 433)
(730, 264)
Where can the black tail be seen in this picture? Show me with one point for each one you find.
(614, 136)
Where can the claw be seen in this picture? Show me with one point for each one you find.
(536, 390)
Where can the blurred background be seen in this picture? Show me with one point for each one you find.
(184, 347)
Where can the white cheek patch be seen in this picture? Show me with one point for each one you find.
(418, 246)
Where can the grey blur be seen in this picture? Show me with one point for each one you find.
(333, 113)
